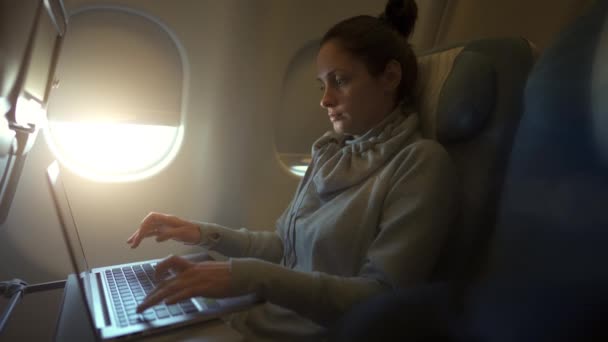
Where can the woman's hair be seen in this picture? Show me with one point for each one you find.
(376, 41)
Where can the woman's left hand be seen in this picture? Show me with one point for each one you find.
(208, 279)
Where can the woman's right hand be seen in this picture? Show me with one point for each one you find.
(165, 227)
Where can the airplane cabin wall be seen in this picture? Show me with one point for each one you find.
(537, 20)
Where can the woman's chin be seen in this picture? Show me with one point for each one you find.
(338, 127)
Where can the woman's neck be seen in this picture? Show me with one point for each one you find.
(386, 112)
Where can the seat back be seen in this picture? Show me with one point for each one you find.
(553, 218)
(471, 102)
(546, 278)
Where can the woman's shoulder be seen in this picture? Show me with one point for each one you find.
(423, 147)
(425, 153)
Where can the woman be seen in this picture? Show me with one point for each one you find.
(369, 216)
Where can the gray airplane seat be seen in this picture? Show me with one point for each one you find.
(470, 100)
(545, 277)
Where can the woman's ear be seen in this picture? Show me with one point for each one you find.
(391, 76)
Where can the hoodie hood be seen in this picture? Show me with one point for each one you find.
(341, 160)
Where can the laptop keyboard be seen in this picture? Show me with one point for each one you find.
(129, 286)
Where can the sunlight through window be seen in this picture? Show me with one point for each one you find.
(299, 170)
(113, 152)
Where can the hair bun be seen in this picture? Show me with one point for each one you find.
(401, 14)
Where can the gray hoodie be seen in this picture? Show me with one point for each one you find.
(370, 215)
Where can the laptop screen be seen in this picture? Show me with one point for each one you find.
(68, 227)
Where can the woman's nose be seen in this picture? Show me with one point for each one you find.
(327, 100)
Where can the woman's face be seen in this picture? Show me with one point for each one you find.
(355, 100)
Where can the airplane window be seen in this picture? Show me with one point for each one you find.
(117, 113)
(300, 120)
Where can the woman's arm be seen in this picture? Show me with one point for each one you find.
(241, 243)
(230, 242)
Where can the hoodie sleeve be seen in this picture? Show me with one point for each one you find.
(265, 245)
(245, 243)
(417, 212)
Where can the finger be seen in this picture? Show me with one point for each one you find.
(142, 233)
(149, 227)
(164, 227)
(170, 286)
(135, 239)
(164, 290)
(173, 262)
(184, 294)
(162, 223)
(160, 286)
(134, 235)
(130, 239)
(182, 288)
(154, 298)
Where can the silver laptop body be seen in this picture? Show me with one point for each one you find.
(112, 293)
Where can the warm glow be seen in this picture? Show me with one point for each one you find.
(295, 163)
(298, 170)
(113, 152)
(29, 111)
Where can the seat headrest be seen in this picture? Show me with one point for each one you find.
(456, 92)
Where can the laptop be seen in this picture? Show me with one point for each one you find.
(112, 293)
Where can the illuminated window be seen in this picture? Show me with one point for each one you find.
(298, 170)
(118, 112)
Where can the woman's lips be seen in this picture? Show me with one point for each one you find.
(334, 116)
